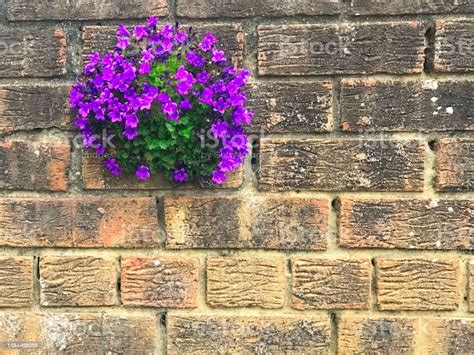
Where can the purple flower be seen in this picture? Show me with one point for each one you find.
(130, 132)
(206, 96)
(122, 31)
(208, 41)
(218, 177)
(143, 172)
(220, 105)
(195, 59)
(203, 77)
(180, 175)
(131, 120)
(123, 43)
(152, 22)
(219, 128)
(140, 32)
(145, 68)
(170, 108)
(185, 105)
(112, 166)
(218, 56)
(181, 36)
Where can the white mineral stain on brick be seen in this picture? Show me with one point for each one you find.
(430, 84)
(11, 325)
(449, 110)
(434, 99)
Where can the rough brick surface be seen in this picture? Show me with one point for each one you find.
(77, 281)
(395, 47)
(248, 335)
(402, 7)
(32, 52)
(78, 222)
(470, 271)
(27, 107)
(455, 164)
(245, 282)
(159, 282)
(95, 177)
(291, 106)
(418, 105)
(407, 223)
(25, 10)
(331, 165)
(34, 166)
(453, 46)
(417, 284)
(446, 335)
(249, 8)
(16, 281)
(72, 333)
(330, 284)
(289, 223)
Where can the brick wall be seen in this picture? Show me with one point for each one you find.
(350, 230)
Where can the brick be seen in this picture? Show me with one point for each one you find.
(330, 284)
(245, 282)
(417, 284)
(415, 105)
(79, 222)
(249, 8)
(288, 223)
(16, 281)
(446, 335)
(95, 177)
(453, 50)
(32, 52)
(403, 7)
(336, 165)
(394, 47)
(48, 104)
(470, 270)
(77, 281)
(407, 224)
(248, 335)
(376, 335)
(85, 333)
(230, 36)
(454, 164)
(159, 282)
(294, 106)
(34, 166)
(25, 10)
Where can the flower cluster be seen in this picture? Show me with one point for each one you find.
(169, 101)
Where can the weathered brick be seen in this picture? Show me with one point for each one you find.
(249, 8)
(291, 106)
(332, 165)
(79, 222)
(33, 52)
(446, 335)
(245, 282)
(455, 164)
(159, 282)
(415, 105)
(330, 284)
(376, 335)
(453, 50)
(407, 223)
(289, 223)
(34, 166)
(96, 177)
(16, 281)
(77, 281)
(25, 10)
(230, 36)
(394, 47)
(47, 104)
(248, 335)
(470, 270)
(417, 284)
(403, 7)
(72, 333)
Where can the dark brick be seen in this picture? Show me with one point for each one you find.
(421, 105)
(337, 165)
(394, 47)
(404, 7)
(455, 164)
(454, 49)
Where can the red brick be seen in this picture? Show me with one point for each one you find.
(16, 281)
(470, 271)
(340, 165)
(330, 284)
(25, 10)
(77, 281)
(367, 48)
(417, 284)
(245, 282)
(159, 282)
(402, 7)
(454, 164)
(79, 222)
(289, 223)
(213, 334)
(32, 52)
(415, 105)
(34, 166)
(406, 223)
